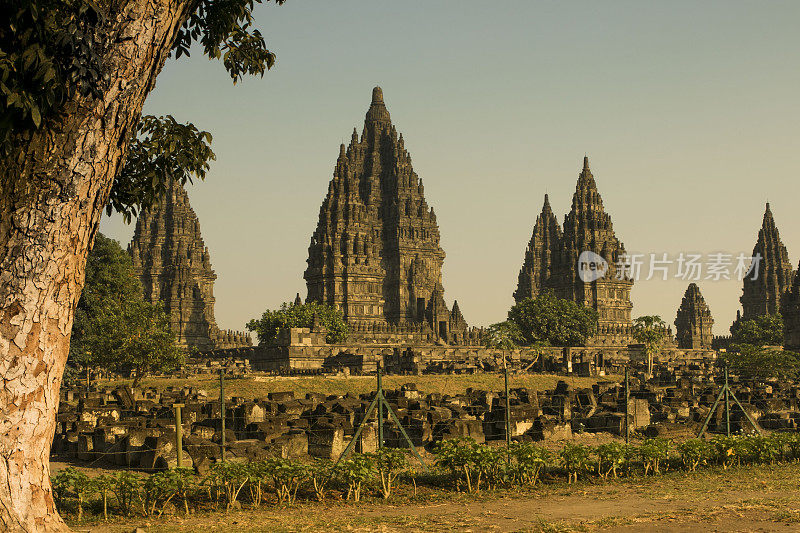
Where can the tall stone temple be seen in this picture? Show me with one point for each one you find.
(551, 262)
(174, 267)
(762, 296)
(375, 253)
(693, 325)
(790, 309)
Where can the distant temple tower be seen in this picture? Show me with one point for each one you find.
(174, 267)
(790, 309)
(375, 253)
(694, 322)
(551, 261)
(762, 296)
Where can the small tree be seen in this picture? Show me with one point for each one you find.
(505, 335)
(547, 319)
(300, 315)
(115, 327)
(651, 331)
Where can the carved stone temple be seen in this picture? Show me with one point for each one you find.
(551, 262)
(762, 296)
(790, 309)
(174, 267)
(693, 325)
(375, 253)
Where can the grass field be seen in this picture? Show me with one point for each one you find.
(259, 386)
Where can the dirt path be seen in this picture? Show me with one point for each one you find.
(747, 499)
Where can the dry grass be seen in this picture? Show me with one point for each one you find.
(259, 386)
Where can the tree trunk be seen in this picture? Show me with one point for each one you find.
(53, 188)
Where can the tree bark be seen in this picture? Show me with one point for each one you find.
(53, 188)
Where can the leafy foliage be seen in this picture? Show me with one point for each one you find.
(468, 463)
(765, 330)
(554, 321)
(114, 326)
(390, 463)
(529, 461)
(49, 50)
(52, 50)
(760, 363)
(300, 316)
(505, 335)
(651, 331)
(610, 457)
(576, 460)
(225, 30)
(695, 452)
(653, 453)
(162, 150)
(354, 472)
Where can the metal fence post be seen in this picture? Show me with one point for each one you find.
(727, 405)
(627, 408)
(380, 408)
(222, 410)
(178, 433)
(508, 410)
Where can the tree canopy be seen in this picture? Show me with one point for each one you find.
(300, 315)
(115, 328)
(547, 319)
(651, 331)
(505, 335)
(52, 50)
(758, 362)
(765, 330)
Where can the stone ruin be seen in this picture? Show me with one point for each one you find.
(551, 262)
(375, 253)
(174, 266)
(694, 321)
(136, 428)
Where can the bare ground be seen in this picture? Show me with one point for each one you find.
(759, 498)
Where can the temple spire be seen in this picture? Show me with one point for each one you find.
(762, 295)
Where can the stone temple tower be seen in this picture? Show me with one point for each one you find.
(375, 253)
(174, 267)
(537, 265)
(762, 296)
(694, 321)
(551, 261)
(790, 309)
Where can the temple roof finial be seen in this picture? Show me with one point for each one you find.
(377, 95)
(585, 162)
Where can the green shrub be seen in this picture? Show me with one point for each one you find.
(576, 460)
(695, 452)
(287, 476)
(653, 453)
(227, 479)
(528, 462)
(390, 463)
(461, 457)
(610, 457)
(72, 483)
(354, 473)
(126, 487)
(321, 473)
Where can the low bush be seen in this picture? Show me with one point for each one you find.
(459, 463)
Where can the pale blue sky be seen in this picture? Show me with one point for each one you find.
(688, 111)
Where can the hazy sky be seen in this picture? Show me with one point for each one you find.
(689, 112)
